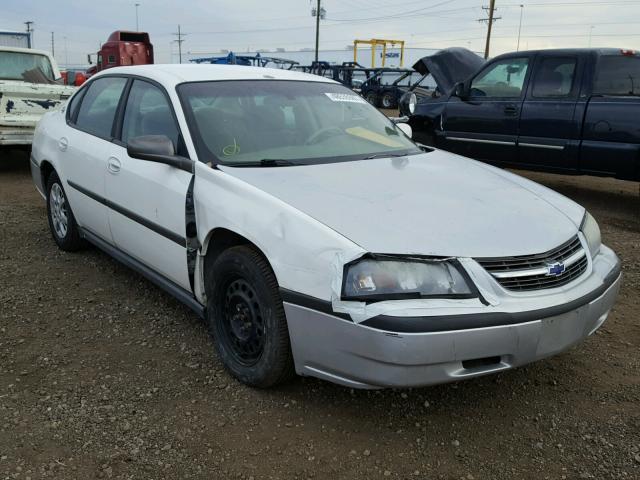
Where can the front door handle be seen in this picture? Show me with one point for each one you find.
(113, 165)
(511, 110)
(63, 143)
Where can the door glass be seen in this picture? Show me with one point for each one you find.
(618, 75)
(148, 113)
(503, 79)
(99, 105)
(554, 77)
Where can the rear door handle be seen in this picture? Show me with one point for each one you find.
(113, 165)
(511, 110)
(63, 143)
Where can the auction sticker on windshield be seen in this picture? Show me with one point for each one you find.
(345, 97)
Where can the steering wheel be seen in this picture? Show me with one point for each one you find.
(315, 137)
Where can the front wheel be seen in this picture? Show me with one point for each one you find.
(246, 318)
(62, 223)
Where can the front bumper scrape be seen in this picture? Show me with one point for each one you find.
(333, 347)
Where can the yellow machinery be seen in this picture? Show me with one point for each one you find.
(374, 43)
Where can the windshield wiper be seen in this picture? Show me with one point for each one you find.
(385, 155)
(265, 162)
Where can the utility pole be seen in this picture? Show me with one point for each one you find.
(319, 12)
(53, 46)
(137, 27)
(179, 40)
(317, 29)
(520, 27)
(491, 9)
(30, 32)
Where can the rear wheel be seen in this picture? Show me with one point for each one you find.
(372, 98)
(246, 318)
(388, 100)
(62, 223)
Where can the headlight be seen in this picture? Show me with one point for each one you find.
(390, 278)
(411, 103)
(591, 232)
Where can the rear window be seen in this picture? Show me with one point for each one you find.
(618, 75)
(99, 105)
(28, 67)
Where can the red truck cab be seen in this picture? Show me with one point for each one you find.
(124, 48)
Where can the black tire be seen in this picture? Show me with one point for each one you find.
(388, 101)
(67, 238)
(246, 318)
(372, 98)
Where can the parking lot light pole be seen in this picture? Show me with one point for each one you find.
(520, 27)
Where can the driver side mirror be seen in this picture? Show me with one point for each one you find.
(159, 149)
(460, 90)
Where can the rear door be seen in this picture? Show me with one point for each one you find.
(148, 200)
(611, 137)
(84, 149)
(485, 125)
(549, 130)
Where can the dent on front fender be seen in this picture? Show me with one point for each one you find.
(300, 250)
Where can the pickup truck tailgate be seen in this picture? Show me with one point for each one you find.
(22, 104)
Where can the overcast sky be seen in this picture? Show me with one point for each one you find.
(241, 25)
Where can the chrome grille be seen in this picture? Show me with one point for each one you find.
(530, 272)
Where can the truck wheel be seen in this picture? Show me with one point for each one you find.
(388, 101)
(372, 98)
(246, 318)
(62, 223)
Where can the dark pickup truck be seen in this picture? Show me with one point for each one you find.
(566, 111)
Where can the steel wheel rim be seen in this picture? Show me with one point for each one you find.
(386, 101)
(243, 324)
(58, 209)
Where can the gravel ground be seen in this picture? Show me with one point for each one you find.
(102, 375)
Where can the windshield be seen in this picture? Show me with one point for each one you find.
(247, 122)
(28, 67)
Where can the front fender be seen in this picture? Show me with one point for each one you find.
(301, 250)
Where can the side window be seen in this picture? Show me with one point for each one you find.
(618, 75)
(112, 59)
(503, 79)
(554, 77)
(148, 113)
(98, 108)
(74, 104)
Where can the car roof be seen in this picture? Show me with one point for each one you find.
(172, 74)
(25, 50)
(566, 51)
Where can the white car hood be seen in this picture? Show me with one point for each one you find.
(435, 203)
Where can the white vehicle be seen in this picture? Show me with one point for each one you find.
(312, 234)
(30, 86)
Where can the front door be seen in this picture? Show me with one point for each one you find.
(485, 124)
(148, 199)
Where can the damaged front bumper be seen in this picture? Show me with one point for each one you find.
(409, 351)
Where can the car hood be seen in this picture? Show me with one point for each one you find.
(449, 66)
(435, 203)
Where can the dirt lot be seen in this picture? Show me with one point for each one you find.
(102, 375)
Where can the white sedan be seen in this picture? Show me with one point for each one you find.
(312, 234)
